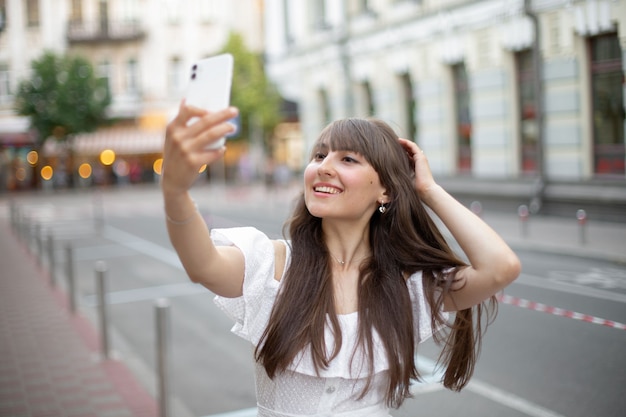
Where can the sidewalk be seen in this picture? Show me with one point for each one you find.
(560, 236)
(49, 358)
(49, 361)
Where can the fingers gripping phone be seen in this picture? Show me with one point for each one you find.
(209, 86)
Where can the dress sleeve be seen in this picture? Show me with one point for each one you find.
(422, 312)
(250, 311)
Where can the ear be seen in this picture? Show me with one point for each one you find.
(384, 197)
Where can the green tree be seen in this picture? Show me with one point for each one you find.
(62, 97)
(255, 96)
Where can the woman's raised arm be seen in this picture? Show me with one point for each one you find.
(220, 269)
(493, 265)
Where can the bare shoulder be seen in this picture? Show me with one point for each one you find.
(280, 257)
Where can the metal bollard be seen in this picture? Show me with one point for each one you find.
(29, 235)
(98, 213)
(523, 213)
(23, 224)
(19, 221)
(101, 269)
(39, 243)
(71, 281)
(581, 216)
(477, 208)
(13, 215)
(162, 307)
(51, 260)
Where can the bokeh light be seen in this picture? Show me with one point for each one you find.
(158, 166)
(32, 157)
(107, 157)
(47, 172)
(84, 170)
(20, 174)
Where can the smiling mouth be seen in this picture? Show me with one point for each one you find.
(326, 190)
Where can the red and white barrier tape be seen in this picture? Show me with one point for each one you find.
(531, 305)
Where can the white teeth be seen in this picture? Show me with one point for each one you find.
(328, 190)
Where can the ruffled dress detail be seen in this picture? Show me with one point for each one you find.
(302, 391)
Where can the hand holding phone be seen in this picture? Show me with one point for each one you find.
(209, 86)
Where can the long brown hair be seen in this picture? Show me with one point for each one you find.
(403, 240)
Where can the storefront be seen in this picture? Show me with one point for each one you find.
(105, 157)
(16, 145)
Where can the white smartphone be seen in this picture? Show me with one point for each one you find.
(209, 86)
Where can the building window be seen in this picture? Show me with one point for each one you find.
(367, 99)
(208, 11)
(76, 11)
(287, 22)
(362, 6)
(607, 78)
(132, 77)
(104, 72)
(103, 12)
(324, 105)
(130, 11)
(554, 33)
(32, 13)
(5, 85)
(318, 14)
(408, 106)
(176, 76)
(3, 15)
(172, 11)
(463, 119)
(528, 113)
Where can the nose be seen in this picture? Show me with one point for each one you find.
(325, 167)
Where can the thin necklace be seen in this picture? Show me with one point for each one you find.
(340, 262)
(344, 262)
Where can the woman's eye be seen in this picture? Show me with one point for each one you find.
(319, 156)
(349, 159)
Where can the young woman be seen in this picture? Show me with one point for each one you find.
(337, 310)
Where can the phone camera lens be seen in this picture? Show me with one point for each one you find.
(195, 67)
(193, 76)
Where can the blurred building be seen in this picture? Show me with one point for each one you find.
(143, 48)
(459, 78)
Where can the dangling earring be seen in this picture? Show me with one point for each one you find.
(382, 208)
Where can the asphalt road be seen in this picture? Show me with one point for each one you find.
(533, 363)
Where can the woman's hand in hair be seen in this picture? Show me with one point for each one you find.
(185, 150)
(424, 181)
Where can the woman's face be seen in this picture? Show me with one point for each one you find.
(341, 185)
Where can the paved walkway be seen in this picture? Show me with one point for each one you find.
(49, 360)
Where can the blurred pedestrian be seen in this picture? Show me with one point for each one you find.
(336, 310)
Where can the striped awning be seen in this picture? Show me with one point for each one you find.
(122, 142)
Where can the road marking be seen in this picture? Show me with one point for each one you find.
(604, 278)
(91, 253)
(435, 373)
(148, 293)
(567, 287)
(510, 400)
(144, 246)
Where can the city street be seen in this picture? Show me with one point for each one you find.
(546, 355)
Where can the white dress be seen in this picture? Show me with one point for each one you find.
(301, 391)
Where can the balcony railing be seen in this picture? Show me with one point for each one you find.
(104, 31)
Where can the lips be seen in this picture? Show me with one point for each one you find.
(326, 189)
